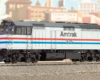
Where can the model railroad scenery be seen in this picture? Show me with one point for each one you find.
(32, 41)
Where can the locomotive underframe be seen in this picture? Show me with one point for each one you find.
(43, 55)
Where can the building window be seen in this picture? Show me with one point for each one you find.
(50, 9)
(32, 16)
(39, 15)
(32, 11)
(21, 5)
(10, 6)
(64, 10)
(18, 6)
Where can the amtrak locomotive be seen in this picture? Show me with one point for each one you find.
(33, 41)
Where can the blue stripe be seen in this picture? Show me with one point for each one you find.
(23, 42)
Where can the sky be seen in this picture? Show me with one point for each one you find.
(68, 4)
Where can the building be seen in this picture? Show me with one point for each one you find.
(99, 14)
(61, 3)
(70, 16)
(86, 7)
(96, 14)
(16, 4)
(98, 5)
(75, 15)
(57, 16)
(36, 13)
(38, 3)
(91, 19)
(48, 3)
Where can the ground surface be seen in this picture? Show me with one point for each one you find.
(51, 72)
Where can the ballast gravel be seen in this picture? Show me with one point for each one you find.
(51, 72)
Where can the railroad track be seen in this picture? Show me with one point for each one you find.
(47, 63)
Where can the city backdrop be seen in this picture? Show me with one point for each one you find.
(74, 11)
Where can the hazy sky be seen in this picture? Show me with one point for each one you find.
(68, 4)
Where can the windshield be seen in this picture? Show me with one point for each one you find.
(7, 28)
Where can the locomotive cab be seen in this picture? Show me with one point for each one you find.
(7, 28)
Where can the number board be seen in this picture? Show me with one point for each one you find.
(8, 24)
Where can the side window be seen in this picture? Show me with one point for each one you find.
(18, 30)
(23, 30)
(29, 30)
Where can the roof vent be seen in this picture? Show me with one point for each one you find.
(20, 20)
(76, 23)
(69, 22)
(94, 24)
(60, 22)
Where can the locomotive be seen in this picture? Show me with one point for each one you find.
(32, 41)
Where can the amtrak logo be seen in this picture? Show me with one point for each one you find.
(68, 34)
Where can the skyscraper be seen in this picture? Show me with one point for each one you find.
(87, 6)
(61, 3)
(38, 3)
(48, 3)
(15, 4)
(98, 5)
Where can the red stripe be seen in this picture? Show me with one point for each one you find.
(3, 38)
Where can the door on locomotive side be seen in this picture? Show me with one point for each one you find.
(39, 38)
(60, 40)
(29, 38)
(98, 39)
(53, 40)
(89, 38)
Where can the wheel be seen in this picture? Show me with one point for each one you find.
(7, 61)
(33, 60)
(81, 60)
(73, 60)
(26, 60)
(13, 60)
(90, 59)
(97, 58)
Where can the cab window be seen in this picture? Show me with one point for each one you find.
(24, 30)
(18, 30)
(29, 30)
